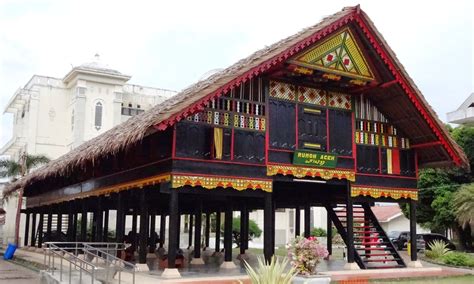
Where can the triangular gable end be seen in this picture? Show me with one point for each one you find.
(339, 54)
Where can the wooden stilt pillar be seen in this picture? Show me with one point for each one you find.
(190, 230)
(173, 232)
(70, 222)
(120, 218)
(247, 224)
(228, 233)
(329, 234)
(198, 229)
(74, 226)
(83, 236)
(207, 233)
(243, 228)
(413, 248)
(152, 231)
(297, 221)
(143, 237)
(33, 229)
(162, 229)
(99, 225)
(268, 227)
(350, 224)
(134, 227)
(59, 223)
(40, 228)
(49, 224)
(105, 237)
(178, 228)
(307, 221)
(27, 228)
(218, 231)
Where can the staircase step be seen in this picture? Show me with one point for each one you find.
(386, 266)
(376, 254)
(380, 260)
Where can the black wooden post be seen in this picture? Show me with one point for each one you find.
(162, 229)
(49, 224)
(105, 237)
(120, 218)
(134, 228)
(70, 223)
(74, 227)
(198, 229)
(33, 229)
(297, 221)
(178, 228)
(307, 220)
(268, 227)
(152, 230)
(207, 233)
(243, 228)
(413, 249)
(228, 233)
(173, 231)
(218, 231)
(40, 229)
(59, 222)
(329, 233)
(99, 220)
(27, 229)
(190, 230)
(350, 224)
(247, 224)
(143, 237)
(83, 237)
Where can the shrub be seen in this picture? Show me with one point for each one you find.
(458, 259)
(437, 249)
(272, 273)
(305, 254)
(318, 232)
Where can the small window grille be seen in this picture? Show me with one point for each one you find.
(98, 116)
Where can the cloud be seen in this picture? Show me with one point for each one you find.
(171, 44)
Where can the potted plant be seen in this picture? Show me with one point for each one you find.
(305, 254)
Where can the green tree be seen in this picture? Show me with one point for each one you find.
(18, 169)
(254, 230)
(436, 208)
(463, 204)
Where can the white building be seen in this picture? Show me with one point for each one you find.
(391, 218)
(464, 114)
(51, 116)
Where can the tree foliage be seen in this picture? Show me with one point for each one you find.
(13, 169)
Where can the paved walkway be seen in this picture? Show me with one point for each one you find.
(16, 274)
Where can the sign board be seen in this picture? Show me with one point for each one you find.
(314, 159)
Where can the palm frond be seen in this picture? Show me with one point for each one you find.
(464, 203)
(271, 273)
(9, 168)
(35, 160)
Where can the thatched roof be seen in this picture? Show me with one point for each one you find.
(195, 97)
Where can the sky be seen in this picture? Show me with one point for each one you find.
(172, 44)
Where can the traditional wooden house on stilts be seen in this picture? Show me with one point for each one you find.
(327, 117)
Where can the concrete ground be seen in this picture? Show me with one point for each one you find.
(212, 274)
(12, 273)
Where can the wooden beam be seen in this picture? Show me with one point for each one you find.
(297, 221)
(388, 84)
(197, 229)
(426, 145)
(413, 249)
(268, 227)
(173, 231)
(218, 231)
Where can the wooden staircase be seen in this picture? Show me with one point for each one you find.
(372, 247)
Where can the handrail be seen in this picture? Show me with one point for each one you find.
(54, 250)
(95, 251)
(111, 259)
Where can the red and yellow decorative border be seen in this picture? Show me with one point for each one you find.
(107, 190)
(377, 192)
(211, 182)
(300, 172)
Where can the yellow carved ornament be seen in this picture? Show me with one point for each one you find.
(300, 172)
(224, 182)
(377, 192)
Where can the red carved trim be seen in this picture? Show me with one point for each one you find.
(384, 176)
(426, 145)
(218, 162)
(257, 70)
(403, 82)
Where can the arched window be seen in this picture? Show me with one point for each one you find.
(98, 115)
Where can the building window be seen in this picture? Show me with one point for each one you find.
(131, 111)
(98, 115)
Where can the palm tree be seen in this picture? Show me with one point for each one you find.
(463, 201)
(16, 170)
